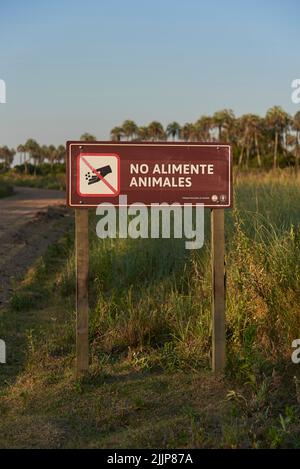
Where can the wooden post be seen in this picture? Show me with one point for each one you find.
(82, 306)
(218, 290)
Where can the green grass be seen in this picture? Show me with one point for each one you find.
(150, 338)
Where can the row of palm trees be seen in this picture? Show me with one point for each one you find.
(32, 151)
(253, 137)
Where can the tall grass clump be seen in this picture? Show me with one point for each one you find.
(263, 271)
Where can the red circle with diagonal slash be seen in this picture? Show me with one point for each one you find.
(83, 156)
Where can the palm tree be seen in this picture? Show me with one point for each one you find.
(188, 132)
(250, 127)
(257, 124)
(51, 153)
(22, 150)
(129, 129)
(156, 131)
(277, 121)
(44, 153)
(86, 137)
(223, 121)
(33, 149)
(116, 134)
(204, 126)
(61, 154)
(173, 130)
(243, 127)
(143, 133)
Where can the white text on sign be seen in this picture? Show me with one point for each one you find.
(167, 174)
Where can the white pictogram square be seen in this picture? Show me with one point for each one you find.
(98, 174)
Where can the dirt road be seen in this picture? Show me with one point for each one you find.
(29, 221)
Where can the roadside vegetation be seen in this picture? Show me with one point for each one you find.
(44, 176)
(6, 189)
(150, 336)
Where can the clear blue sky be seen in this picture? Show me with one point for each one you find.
(72, 66)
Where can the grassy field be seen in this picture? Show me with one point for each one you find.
(150, 336)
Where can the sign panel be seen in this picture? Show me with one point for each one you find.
(149, 173)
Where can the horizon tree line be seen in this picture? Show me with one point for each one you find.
(32, 151)
(254, 139)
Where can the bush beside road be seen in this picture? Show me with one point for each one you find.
(55, 181)
(6, 189)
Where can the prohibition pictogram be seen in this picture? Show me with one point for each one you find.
(98, 175)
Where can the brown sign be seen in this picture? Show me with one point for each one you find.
(148, 173)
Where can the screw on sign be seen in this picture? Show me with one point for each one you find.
(150, 173)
